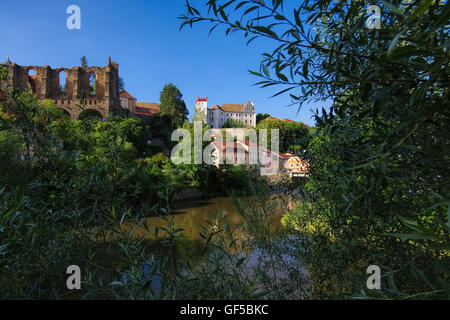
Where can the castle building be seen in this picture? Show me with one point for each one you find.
(90, 91)
(216, 116)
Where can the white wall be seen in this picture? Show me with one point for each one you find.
(216, 117)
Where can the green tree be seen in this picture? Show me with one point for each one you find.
(380, 155)
(260, 117)
(173, 105)
(76, 191)
(162, 126)
(294, 136)
(231, 123)
(84, 62)
(11, 147)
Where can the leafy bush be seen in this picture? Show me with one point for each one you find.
(380, 155)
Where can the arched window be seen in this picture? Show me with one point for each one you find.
(92, 84)
(31, 73)
(62, 81)
(90, 114)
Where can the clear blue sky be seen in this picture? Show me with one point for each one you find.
(143, 37)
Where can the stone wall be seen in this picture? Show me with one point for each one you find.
(76, 98)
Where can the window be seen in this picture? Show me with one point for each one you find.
(31, 75)
(92, 84)
(62, 79)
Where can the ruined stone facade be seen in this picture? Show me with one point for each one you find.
(77, 97)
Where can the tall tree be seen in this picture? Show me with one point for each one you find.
(173, 105)
(294, 136)
(84, 62)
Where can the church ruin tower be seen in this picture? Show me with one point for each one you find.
(201, 109)
(78, 91)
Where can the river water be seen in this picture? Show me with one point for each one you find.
(191, 216)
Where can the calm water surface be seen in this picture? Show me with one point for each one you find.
(191, 216)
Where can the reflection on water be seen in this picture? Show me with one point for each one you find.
(191, 216)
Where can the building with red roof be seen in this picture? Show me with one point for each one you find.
(127, 101)
(249, 154)
(130, 103)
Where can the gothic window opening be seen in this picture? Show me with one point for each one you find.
(31, 80)
(62, 81)
(92, 84)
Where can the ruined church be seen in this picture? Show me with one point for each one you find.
(79, 91)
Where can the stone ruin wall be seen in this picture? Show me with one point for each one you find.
(45, 84)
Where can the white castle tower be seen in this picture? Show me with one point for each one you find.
(201, 109)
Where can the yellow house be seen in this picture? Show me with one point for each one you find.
(297, 165)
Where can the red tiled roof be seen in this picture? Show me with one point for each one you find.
(278, 154)
(147, 108)
(149, 105)
(144, 111)
(125, 94)
(231, 107)
(201, 100)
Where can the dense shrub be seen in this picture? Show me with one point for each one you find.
(380, 155)
(67, 190)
